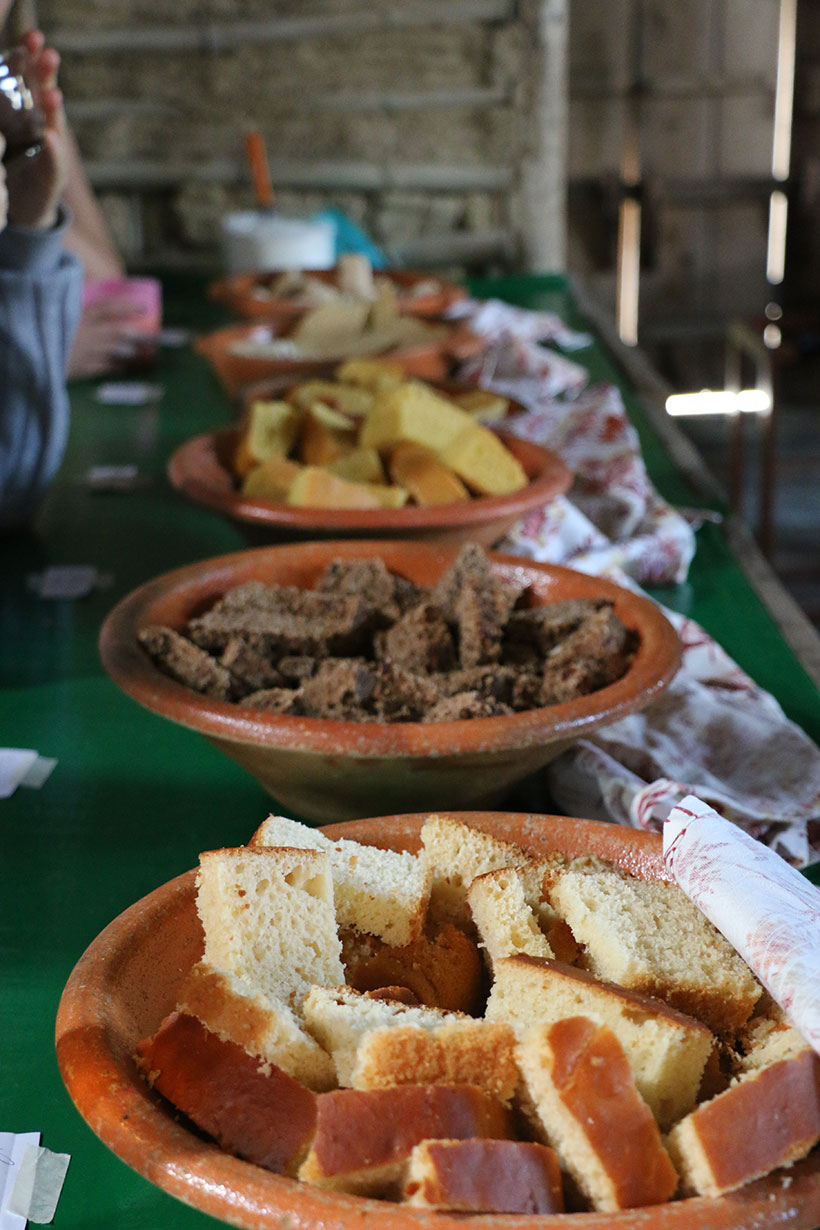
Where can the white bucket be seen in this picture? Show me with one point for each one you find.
(254, 241)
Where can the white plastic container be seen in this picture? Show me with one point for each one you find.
(254, 241)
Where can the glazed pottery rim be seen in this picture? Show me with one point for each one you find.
(238, 287)
(110, 1095)
(652, 669)
(548, 476)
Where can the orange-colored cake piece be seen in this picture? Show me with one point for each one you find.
(443, 971)
(364, 1137)
(252, 1110)
(768, 1118)
(417, 468)
(581, 1095)
(484, 1176)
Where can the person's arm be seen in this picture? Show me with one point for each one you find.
(40, 303)
(87, 236)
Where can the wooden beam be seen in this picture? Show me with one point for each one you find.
(210, 37)
(353, 176)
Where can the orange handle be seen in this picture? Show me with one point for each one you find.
(258, 162)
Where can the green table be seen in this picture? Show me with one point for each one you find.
(133, 799)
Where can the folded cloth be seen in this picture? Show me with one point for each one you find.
(714, 732)
(612, 515)
(766, 910)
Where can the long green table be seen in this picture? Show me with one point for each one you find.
(133, 799)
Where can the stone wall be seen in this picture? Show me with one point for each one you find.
(421, 119)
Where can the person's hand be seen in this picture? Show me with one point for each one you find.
(106, 339)
(35, 182)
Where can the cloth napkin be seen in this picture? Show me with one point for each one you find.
(766, 909)
(714, 733)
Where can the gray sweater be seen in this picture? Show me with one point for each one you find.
(40, 305)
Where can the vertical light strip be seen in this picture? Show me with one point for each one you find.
(628, 280)
(782, 141)
(629, 270)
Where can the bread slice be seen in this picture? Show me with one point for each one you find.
(259, 1114)
(580, 1093)
(666, 1050)
(769, 1117)
(443, 969)
(339, 1017)
(457, 853)
(268, 918)
(264, 1027)
(414, 412)
(417, 468)
(484, 1176)
(648, 936)
(364, 1137)
(381, 892)
(485, 464)
(512, 917)
(378, 1043)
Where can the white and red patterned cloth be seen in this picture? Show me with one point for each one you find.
(768, 911)
(714, 733)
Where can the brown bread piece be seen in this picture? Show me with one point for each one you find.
(770, 1117)
(257, 1112)
(186, 662)
(580, 1092)
(484, 1176)
(443, 971)
(365, 1137)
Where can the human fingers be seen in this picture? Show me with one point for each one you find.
(47, 67)
(34, 42)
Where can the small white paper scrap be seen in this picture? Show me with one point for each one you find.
(128, 393)
(39, 773)
(174, 337)
(115, 478)
(66, 581)
(12, 1150)
(38, 1184)
(15, 763)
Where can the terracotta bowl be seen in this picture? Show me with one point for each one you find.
(127, 981)
(201, 470)
(429, 360)
(326, 770)
(237, 293)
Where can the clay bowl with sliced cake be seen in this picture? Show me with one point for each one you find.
(283, 296)
(142, 966)
(337, 458)
(247, 353)
(369, 701)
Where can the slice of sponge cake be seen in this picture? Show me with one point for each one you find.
(580, 1093)
(648, 936)
(268, 918)
(666, 1050)
(512, 916)
(769, 1117)
(458, 853)
(262, 1026)
(381, 892)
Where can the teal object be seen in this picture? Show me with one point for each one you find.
(350, 237)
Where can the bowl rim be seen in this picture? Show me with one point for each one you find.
(655, 663)
(109, 1094)
(195, 470)
(235, 290)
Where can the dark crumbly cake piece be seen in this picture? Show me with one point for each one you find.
(370, 646)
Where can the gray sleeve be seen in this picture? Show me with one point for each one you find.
(40, 304)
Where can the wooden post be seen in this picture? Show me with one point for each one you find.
(542, 201)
